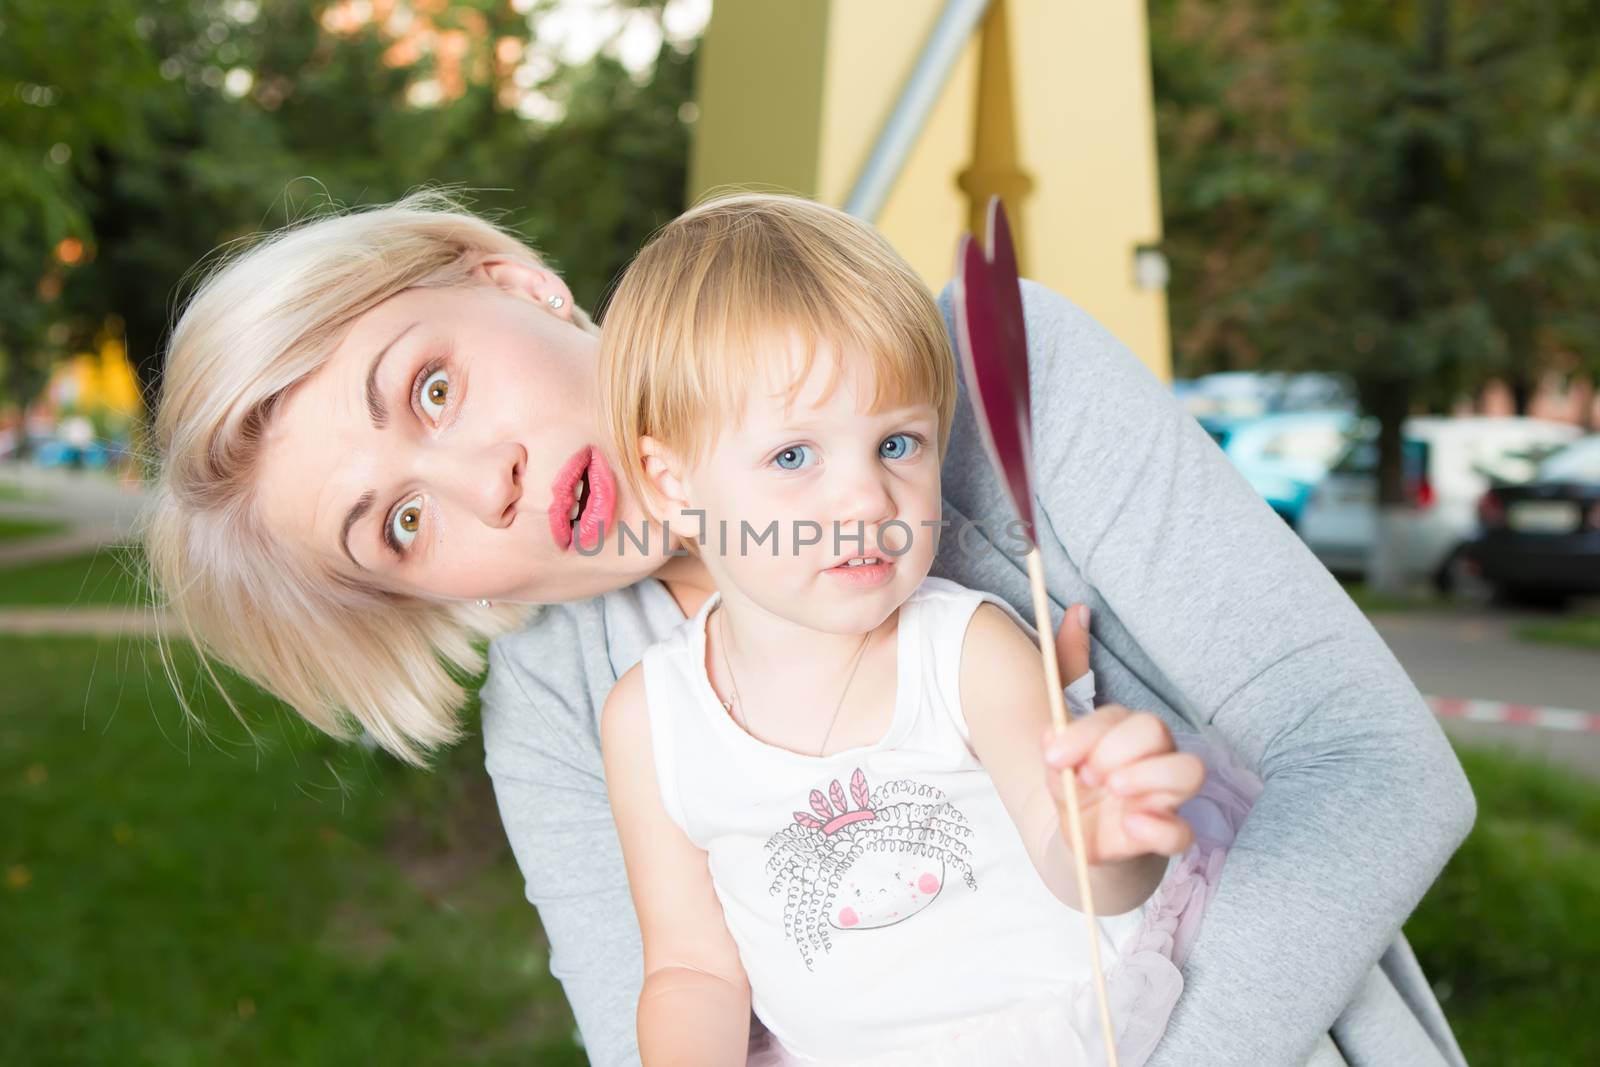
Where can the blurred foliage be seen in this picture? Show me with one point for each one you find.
(1405, 192)
(190, 123)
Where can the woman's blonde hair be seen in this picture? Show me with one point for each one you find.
(265, 315)
(700, 308)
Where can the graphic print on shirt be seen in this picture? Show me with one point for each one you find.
(866, 862)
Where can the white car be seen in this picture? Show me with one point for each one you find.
(1448, 466)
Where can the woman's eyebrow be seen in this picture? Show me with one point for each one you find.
(376, 409)
(352, 517)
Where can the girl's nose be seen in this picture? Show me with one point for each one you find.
(486, 481)
(864, 495)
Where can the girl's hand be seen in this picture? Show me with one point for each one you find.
(1131, 782)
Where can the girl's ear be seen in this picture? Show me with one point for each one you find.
(529, 280)
(663, 478)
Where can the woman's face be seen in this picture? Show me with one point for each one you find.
(441, 448)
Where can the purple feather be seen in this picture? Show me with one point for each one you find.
(993, 343)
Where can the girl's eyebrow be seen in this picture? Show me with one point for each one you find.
(376, 409)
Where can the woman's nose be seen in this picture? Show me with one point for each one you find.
(486, 481)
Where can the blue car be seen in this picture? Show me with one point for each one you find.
(1284, 457)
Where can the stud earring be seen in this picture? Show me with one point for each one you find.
(483, 603)
(557, 302)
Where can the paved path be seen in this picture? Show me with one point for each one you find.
(93, 622)
(97, 509)
(1476, 654)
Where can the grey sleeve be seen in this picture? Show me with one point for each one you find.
(543, 754)
(1364, 800)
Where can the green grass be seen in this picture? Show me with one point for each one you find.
(1580, 631)
(10, 491)
(24, 529)
(107, 577)
(1510, 934)
(170, 900)
(167, 899)
(1372, 603)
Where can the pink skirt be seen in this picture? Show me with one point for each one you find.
(1062, 1028)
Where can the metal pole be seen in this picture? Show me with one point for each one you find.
(927, 79)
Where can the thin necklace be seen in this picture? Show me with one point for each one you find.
(744, 721)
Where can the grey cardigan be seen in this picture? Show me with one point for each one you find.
(1207, 611)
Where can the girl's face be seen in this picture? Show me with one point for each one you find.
(439, 450)
(833, 482)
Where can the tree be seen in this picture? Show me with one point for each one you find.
(1399, 197)
(73, 79)
(234, 116)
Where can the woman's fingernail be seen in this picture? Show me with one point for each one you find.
(1083, 616)
(1089, 776)
(1117, 784)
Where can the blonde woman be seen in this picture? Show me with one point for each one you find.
(380, 439)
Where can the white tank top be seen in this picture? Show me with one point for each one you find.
(881, 896)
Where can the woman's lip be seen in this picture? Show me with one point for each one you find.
(597, 509)
(601, 504)
(563, 492)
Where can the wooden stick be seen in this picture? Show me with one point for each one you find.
(1069, 789)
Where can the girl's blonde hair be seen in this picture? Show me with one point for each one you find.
(704, 303)
(265, 316)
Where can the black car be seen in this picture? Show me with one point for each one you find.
(1540, 539)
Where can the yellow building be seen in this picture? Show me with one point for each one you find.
(1047, 102)
(99, 382)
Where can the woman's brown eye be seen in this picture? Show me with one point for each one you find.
(406, 522)
(435, 391)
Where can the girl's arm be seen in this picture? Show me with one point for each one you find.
(1203, 595)
(694, 1008)
(1130, 779)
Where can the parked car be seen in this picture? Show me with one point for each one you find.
(1448, 465)
(1245, 394)
(1284, 457)
(1540, 540)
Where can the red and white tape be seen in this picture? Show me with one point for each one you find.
(1564, 720)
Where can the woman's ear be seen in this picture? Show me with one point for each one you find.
(530, 280)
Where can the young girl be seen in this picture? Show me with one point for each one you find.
(827, 782)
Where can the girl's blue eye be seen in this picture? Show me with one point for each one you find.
(792, 458)
(899, 446)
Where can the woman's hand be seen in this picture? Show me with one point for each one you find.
(1131, 782)
(1072, 644)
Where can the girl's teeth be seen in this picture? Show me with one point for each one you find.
(860, 562)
